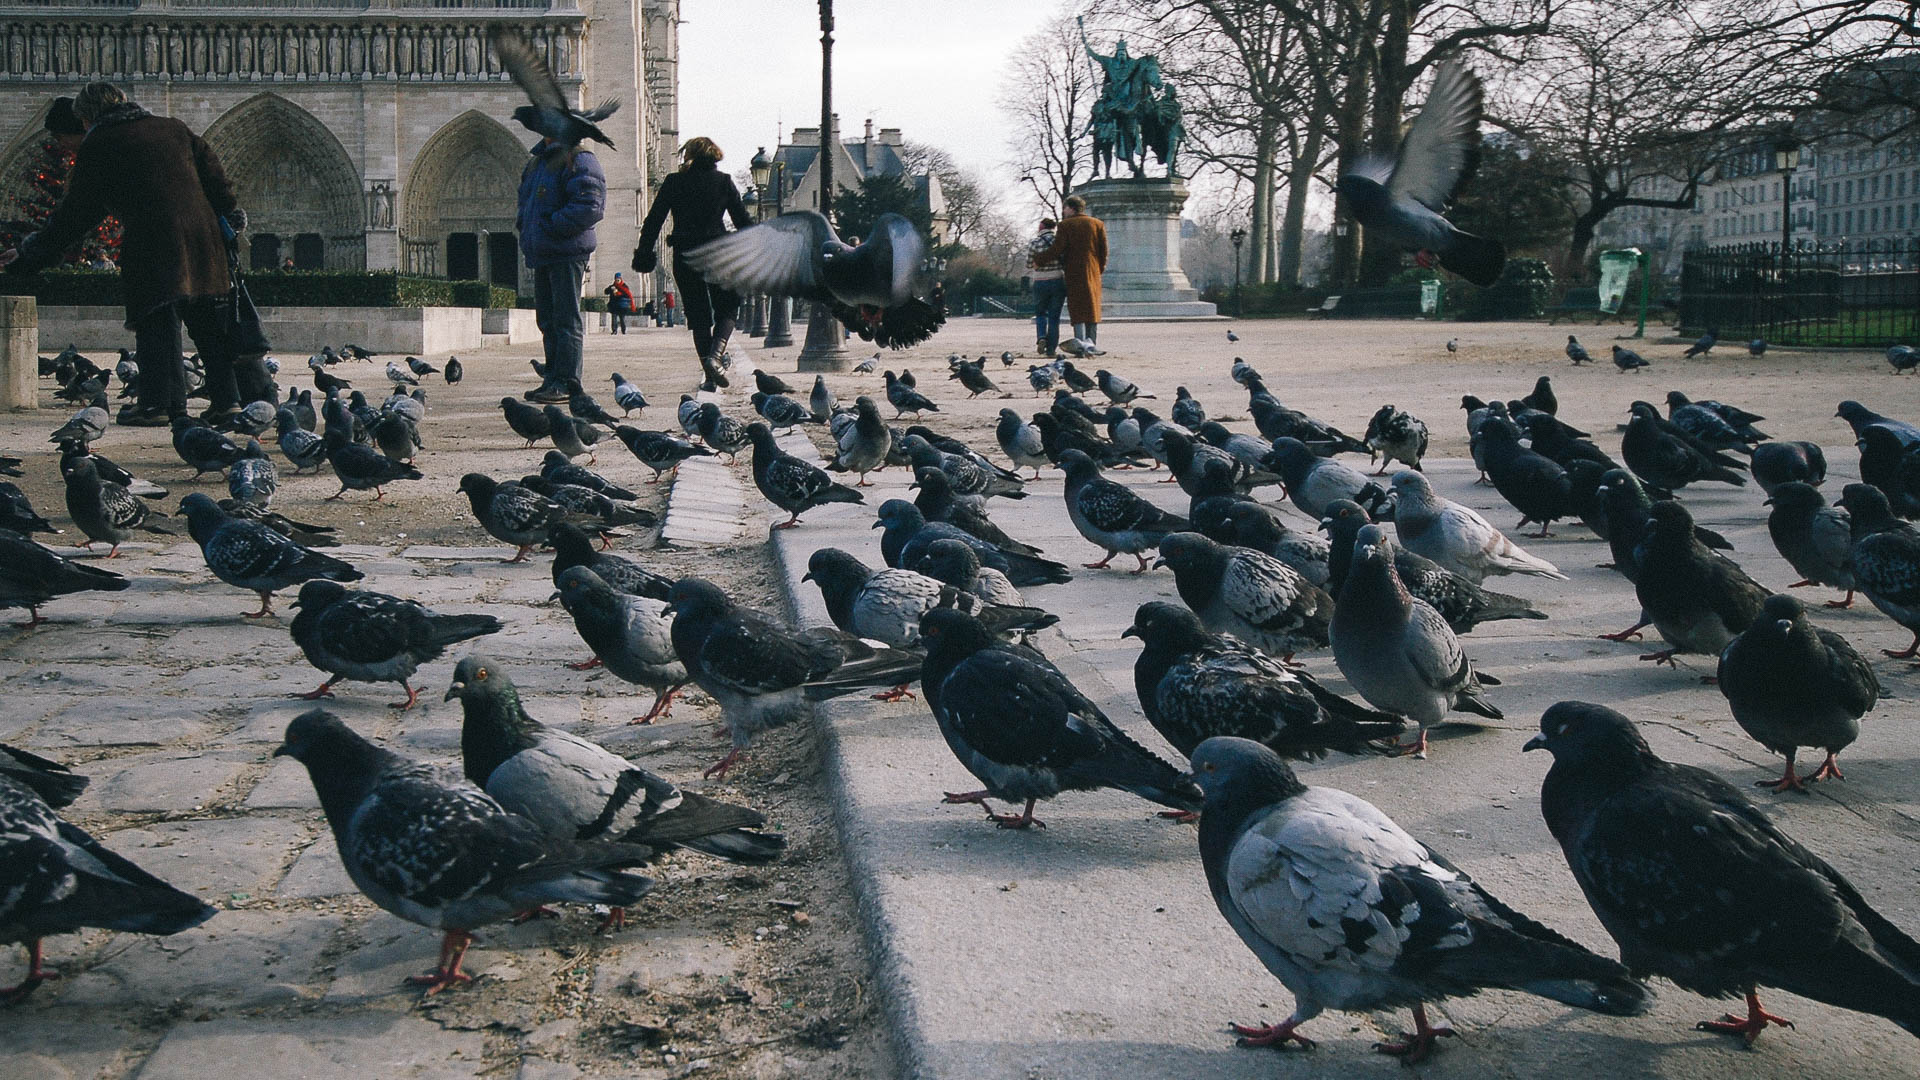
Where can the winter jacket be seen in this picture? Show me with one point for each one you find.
(166, 186)
(701, 199)
(563, 194)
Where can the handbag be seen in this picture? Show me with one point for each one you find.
(245, 335)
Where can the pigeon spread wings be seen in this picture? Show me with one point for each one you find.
(529, 70)
(1441, 142)
(782, 256)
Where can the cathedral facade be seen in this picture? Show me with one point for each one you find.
(361, 134)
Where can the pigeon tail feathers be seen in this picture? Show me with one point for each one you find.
(1479, 259)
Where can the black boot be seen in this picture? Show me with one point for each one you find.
(710, 367)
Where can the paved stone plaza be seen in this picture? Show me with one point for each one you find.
(1088, 949)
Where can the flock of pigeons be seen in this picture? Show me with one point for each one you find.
(1346, 908)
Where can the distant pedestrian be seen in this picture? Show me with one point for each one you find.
(1080, 247)
(166, 186)
(669, 304)
(1049, 289)
(619, 303)
(701, 199)
(650, 314)
(563, 195)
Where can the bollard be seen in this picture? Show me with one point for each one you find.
(19, 353)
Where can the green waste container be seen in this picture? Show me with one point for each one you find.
(1430, 297)
(1616, 272)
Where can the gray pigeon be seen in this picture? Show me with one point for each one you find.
(511, 512)
(373, 637)
(956, 564)
(252, 477)
(1249, 594)
(436, 850)
(572, 548)
(886, 605)
(1021, 442)
(722, 433)
(779, 410)
(1577, 352)
(568, 433)
(1112, 517)
(1791, 684)
(1398, 652)
(250, 555)
(1455, 536)
(1814, 538)
(1627, 360)
(303, 449)
(631, 636)
(550, 114)
(1886, 560)
(821, 402)
(1351, 912)
(862, 442)
(1396, 435)
(790, 483)
(1400, 200)
(627, 396)
(657, 450)
(1313, 481)
(85, 426)
(105, 512)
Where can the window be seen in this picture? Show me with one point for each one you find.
(1874, 217)
(1901, 214)
(309, 252)
(1848, 227)
(263, 251)
(1776, 219)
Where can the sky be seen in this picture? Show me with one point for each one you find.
(750, 69)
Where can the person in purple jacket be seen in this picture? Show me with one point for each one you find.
(563, 195)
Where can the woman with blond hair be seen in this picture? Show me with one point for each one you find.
(701, 198)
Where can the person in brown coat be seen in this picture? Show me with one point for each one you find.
(1080, 249)
(167, 188)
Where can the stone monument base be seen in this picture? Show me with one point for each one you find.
(1143, 279)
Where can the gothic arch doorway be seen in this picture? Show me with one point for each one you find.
(464, 185)
(293, 178)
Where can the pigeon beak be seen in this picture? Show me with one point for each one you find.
(555, 596)
(1767, 502)
(1538, 742)
(283, 750)
(1160, 562)
(877, 525)
(453, 691)
(1326, 524)
(1131, 631)
(808, 576)
(1784, 624)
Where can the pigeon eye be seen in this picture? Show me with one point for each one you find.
(480, 676)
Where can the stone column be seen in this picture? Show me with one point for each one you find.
(1143, 278)
(19, 353)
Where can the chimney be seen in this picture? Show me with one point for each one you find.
(869, 129)
(805, 136)
(890, 136)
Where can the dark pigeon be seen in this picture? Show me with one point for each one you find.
(373, 637)
(513, 513)
(789, 483)
(1696, 599)
(629, 636)
(908, 533)
(252, 556)
(886, 605)
(1886, 560)
(106, 512)
(1791, 684)
(1111, 516)
(1777, 463)
(1249, 594)
(1814, 538)
(657, 450)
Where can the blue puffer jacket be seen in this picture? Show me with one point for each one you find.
(563, 194)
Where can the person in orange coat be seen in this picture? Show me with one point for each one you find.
(1080, 249)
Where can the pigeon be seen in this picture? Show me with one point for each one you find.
(436, 850)
(630, 635)
(1702, 346)
(956, 564)
(1231, 336)
(421, 368)
(1885, 464)
(399, 376)
(1697, 884)
(1886, 560)
(1556, 441)
(789, 483)
(1709, 428)
(342, 420)
(627, 396)
(1400, 200)
(582, 406)
(1245, 523)
(512, 512)
(252, 418)
(1041, 377)
(86, 426)
(905, 399)
(761, 673)
(908, 532)
(1249, 594)
(550, 113)
(1076, 380)
(974, 379)
(10, 466)
(722, 433)
(60, 879)
(570, 435)
(863, 443)
(1627, 360)
(1398, 435)
(355, 352)
(1243, 372)
(250, 555)
(300, 532)
(1460, 602)
(1313, 482)
(768, 383)
(1351, 912)
(1249, 450)
(867, 366)
(373, 637)
(302, 448)
(17, 512)
(454, 372)
(657, 450)
(104, 511)
(1455, 536)
(556, 468)
(1275, 421)
(1532, 483)
(200, 446)
(530, 422)
(1629, 510)
(820, 402)
(1777, 463)
(1398, 652)
(1664, 458)
(576, 790)
(1814, 538)
(1027, 733)
(1110, 516)
(1696, 599)
(886, 605)
(572, 547)
(973, 481)
(55, 784)
(362, 467)
(937, 502)
(870, 288)
(1021, 442)
(1903, 358)
(1577, 352)
(252, 477)
(1194, 685)
(1118, 390)
(328, 383)
(1791, 684)
(590, 507)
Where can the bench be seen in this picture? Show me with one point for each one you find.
(1584, 300)
(1326, 307)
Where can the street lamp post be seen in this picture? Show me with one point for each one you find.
(773, 171)
(1238, 236)
(757, 168)
(1786, 158)
(826, 348)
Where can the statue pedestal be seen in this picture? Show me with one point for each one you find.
(1143, 278)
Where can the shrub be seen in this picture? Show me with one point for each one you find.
(482, 294)
(1524, 290)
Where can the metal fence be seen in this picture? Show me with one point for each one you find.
(1861, 293)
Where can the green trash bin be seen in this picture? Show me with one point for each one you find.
(1616, 272)
(1430, 298)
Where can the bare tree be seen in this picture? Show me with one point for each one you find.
(1049, 93)
(967, 200)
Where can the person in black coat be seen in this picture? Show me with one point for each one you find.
(701, 198)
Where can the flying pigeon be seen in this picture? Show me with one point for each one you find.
(550, 115)
(436, 850)
(870, 288)
(630, 636)
(1792, 684)
(373, 637)
(1351, 912)
(1455, 536)
(252, 556)
(1698, 885)
(1025, 731)
(1401, 200)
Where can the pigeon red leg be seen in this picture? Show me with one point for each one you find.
(585, 665)
(660, 705)
(1750, 1028)
(452, 951)
(413, 697)
(978, 798)
(1143, 564)
(266, 607)
(1664, 656)
(616, 920)
(112, 552)
(719, 768)
(34, 611)
(1828, 770)
(1787, 782)
(1181, 817)
(1417, 1045)
(521, 555)
(1909, 652)
(541, 912)
(1102, 564)
(1022, 820)
(36, 974)
(789, 523)
(325, 690)
(336, 495)
(1417, 748)
(898, 693)
(379, 494)
(1628, 634)
(1847, 603)
(1271, 1034)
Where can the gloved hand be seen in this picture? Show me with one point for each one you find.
(643, 261)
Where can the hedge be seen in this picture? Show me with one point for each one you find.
(288, 288)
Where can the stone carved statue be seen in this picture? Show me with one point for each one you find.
(1136, 112)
